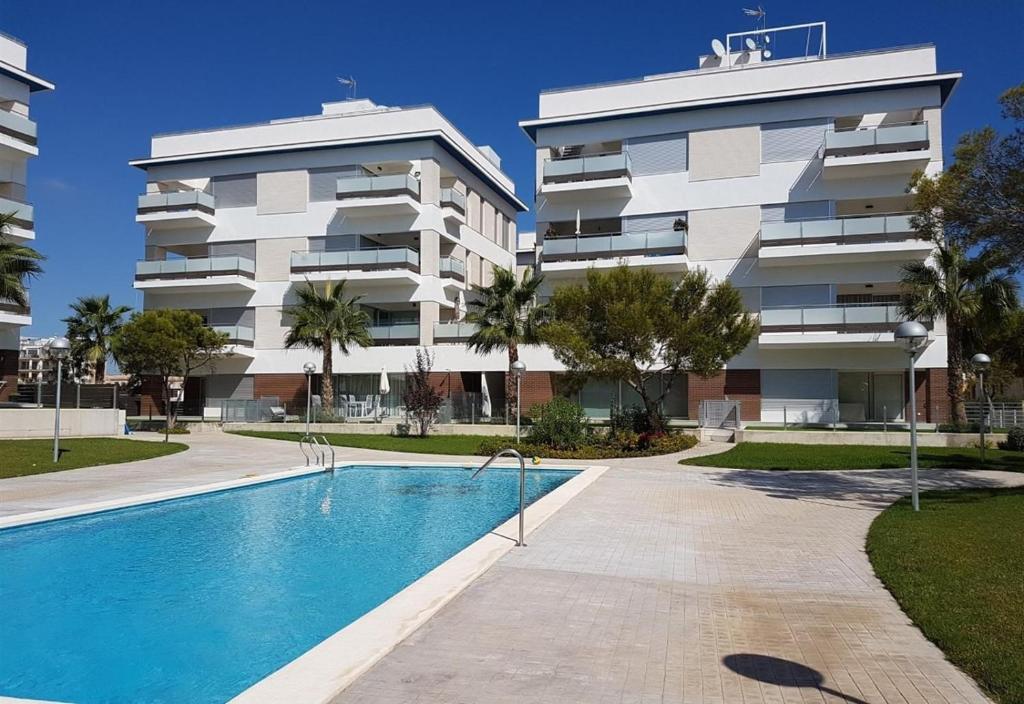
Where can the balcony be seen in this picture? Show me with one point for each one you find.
(384, 265)
(399, 334)
(830, 325)
(876, 151)
(453, 205)
(176, 209)
(242, 335)
(14, 314)
(376, 196)
(206, 274)
(23, 225)
(589, 176)
(453, 332)
(660, 250)
(452, 268)
(17, 135)
(841, 239)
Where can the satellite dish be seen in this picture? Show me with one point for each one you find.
(767, 53)
(751, 44)
(718, 48)
(767, 39)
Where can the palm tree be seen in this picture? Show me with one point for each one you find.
(18, 263)
(507, 315)
(323, 319)
(91, 330)
(972, 294)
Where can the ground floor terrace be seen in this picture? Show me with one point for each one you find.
(656, 583)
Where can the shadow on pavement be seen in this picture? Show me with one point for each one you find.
(783, 673)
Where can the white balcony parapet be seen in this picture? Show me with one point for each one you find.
(18, 127)
(358, 259)
(378, 186)
(172, 201)
(857, 229)
(590, 167)
(613, 246)
(453, 332)
(24, 215)
(876, 140)
(452, 268)
(195, 268)
(450, 198)
(401, 333)
(851, 318)
(237, 334)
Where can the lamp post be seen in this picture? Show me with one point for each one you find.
(518, 369)
(310, 370)
(58, 350)
(981, 362)
(912, 335)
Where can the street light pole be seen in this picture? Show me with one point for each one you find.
(981, 362)
(518, 369)
(58, 350)
(310, 369)
(912, 335)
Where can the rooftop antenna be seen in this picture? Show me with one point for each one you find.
(761, 39)
(351, 83)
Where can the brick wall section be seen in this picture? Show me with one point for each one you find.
(537, 387)
(8, 373)
(290, 388)
(700, 389)
(151, 396)
(932, 398)
(743, 385)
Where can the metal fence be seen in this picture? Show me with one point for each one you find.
(470, 407)
(73, 395)
(1000, 414)
(259, 410)
(719, 414)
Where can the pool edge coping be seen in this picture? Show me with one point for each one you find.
(329, 667)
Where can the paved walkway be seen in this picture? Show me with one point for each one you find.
(657, 584)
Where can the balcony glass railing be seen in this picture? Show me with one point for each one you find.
(860, 317)
(21, 128)
(875, 140)
(358, 259)
(9, 306)
(614, 245)
(237, 334)
(450, 198)
(857, 229)
(590, 167)
(449, 332)
(374, 186)
(24, 215)
(195, 268)
(176, 201)
(398, 332)
(452, 268)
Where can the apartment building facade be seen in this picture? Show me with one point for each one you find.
(396, 202)
(18, 144)
(787, 177)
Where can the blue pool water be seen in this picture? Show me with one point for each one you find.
(194, 600)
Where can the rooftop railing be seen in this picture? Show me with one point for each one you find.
(453, 332)
(452, 268)
(587, 167)
(378, 186)
(850, 318)
(850, 229)
(172, 201)
(855, 141)
(450, 198)
(614, 245)
(24, 214)
(357, 259)
(195, 268)
(18, 126)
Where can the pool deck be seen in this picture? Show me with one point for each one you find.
(657, 583)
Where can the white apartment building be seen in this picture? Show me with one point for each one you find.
(395, 201)
(787, 176)
(18, 144)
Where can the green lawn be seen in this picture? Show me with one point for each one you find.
(431, 445)
(957, 569)
(780, 456)
(21, 457)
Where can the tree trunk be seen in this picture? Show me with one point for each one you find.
(512, 402)
(327, 380)
(101, 371)
(167, 407)
(954, 379)
(650, 406)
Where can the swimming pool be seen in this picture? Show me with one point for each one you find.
(198, 598)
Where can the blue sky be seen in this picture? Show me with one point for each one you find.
(127, 69)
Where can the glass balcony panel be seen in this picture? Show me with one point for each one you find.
(451, 196)
(850, 139)
(781, 316)
(369, 184)
(22, 211)
(780, 231)
(864, 226)
(560, 168)
(22, 127)
(857, 315)
(665, 240)
(604, 163)
(901, 134)
(822, 228)
(823, 316)
(896, 224)
(193, 266)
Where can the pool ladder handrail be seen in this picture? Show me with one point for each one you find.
(304, 440)
(319, 447)
(522, 484)
(326, 446)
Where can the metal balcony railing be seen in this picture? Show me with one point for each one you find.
(176, 201)
(17, 126)
(453, 332)
(396, 334)
(24, 214)
(856, 141)
(854, 229)
(358, 259)
(195, 268)
(589, 167)
(378, 186)
(450, 198)
(858, 317)
(614, 245)
(452, 268)
(237, 334)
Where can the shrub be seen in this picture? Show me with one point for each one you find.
(559, 424)
(1014, 440)
(422, 400)
(636, 420)
(596, 448)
